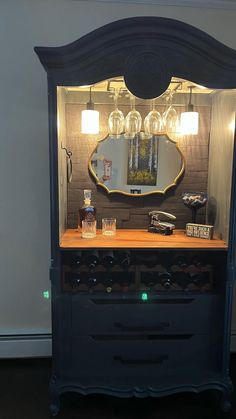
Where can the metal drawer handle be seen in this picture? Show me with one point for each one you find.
(159, 327)
(138, 361)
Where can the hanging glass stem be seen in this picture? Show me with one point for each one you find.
(133, 120)
(116, 118)
(152, 122)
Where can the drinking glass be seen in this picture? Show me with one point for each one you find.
(153, 121)
(133, 120)
(108, 226)
(116, 119)
(89, 229)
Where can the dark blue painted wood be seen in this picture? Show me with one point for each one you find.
(148, 318)
(148, 51)
(124, 349)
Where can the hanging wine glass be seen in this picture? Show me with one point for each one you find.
(116, 118)
(133, 120)
(153, 121)
(170, 119)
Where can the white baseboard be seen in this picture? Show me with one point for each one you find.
(25, 346)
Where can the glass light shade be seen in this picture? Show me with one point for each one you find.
(89, 121)
(189, 123)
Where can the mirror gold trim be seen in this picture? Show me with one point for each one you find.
(120, 191)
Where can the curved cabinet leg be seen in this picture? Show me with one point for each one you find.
(226, 403)
(54, 396)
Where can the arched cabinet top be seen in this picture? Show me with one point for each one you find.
(147, 51)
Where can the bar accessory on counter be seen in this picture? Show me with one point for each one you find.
(158, 226)
(108, 226)
(87, 211)
(194, 201)
(202, 231)
(88, 229)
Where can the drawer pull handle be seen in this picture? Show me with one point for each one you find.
(106, 301)
(159, 327)
(138, 361)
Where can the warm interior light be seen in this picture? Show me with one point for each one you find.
(189, 119)
(232, 126)
(89, 121)
(189, 123)
(90, 118)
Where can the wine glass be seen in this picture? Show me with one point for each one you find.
(133, 120)
(194, 201)
(153, 121)
(116, 118)
(170, 119)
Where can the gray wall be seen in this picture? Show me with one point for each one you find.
(24, 175)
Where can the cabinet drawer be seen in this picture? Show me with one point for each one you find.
(196, 314)
(150, 358)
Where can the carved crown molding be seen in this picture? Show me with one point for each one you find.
(147, 51)
(215, 4)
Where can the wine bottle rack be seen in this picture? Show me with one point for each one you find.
(134, 271)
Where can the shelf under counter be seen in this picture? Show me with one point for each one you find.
(139, 239)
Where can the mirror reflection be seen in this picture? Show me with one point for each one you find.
(139, 164)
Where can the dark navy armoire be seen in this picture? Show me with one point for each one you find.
(142, 314)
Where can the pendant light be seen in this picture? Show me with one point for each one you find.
(189, 119)
(90, 118)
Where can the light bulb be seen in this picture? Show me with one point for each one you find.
(89, 121)
(189, 123)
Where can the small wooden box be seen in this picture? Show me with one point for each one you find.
(201, 231)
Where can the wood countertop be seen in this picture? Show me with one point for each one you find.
(138, 239)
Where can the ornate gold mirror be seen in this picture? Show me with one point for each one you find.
(140, 164)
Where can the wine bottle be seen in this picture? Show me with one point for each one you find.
(197, 260)
(181, 261)
(108, 259)
(199, 278)
(124, 259)
(92, 281)
(149, 259)
(75, 259)
(92, 259)
(165, 279)
(181, 279)
(73, 279)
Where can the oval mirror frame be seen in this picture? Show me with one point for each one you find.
(135, 193)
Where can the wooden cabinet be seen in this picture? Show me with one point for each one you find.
(153, 326)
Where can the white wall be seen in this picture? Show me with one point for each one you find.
(24, 175)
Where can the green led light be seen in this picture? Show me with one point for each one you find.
(46, 295)
(144, 296)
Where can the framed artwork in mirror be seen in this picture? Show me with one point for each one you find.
(138, 165)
